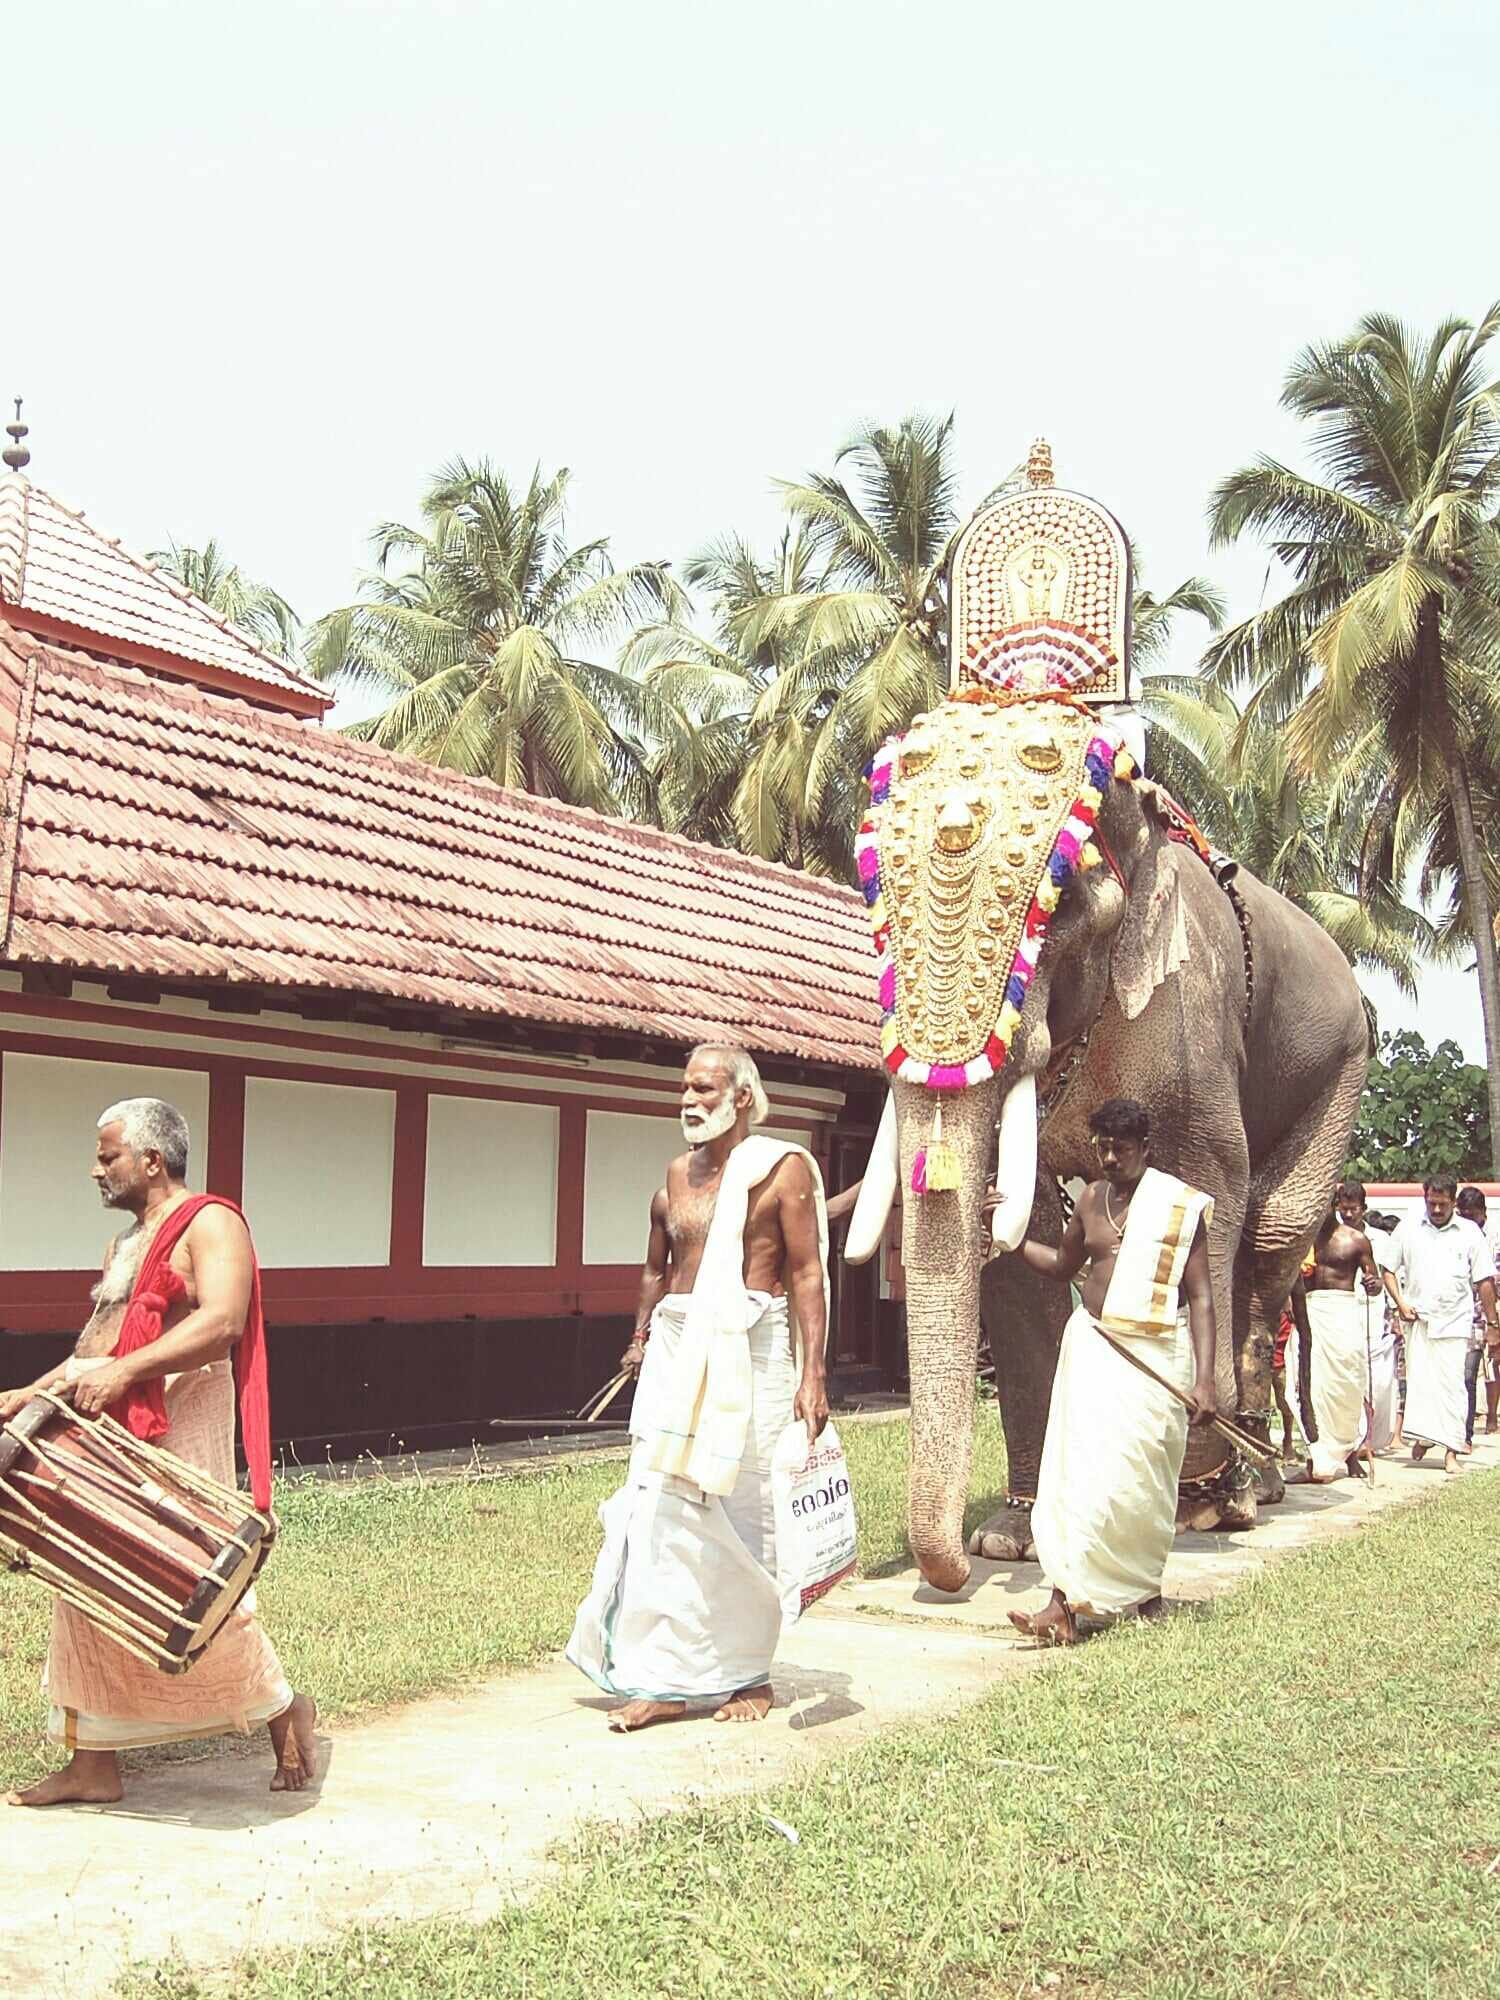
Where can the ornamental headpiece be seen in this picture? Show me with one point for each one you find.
(1040, 584)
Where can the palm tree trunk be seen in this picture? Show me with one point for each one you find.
(1482, 923)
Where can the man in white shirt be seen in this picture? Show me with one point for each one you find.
(1440, 1261)
(1482, 1362)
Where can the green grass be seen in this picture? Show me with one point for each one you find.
(384, 1590)
(1293, 1793)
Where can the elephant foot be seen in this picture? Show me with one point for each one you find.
(1006, 1535)
(1225, 1502)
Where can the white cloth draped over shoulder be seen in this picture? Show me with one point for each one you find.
(1160, 1225)
(684, 1604)
(700, 1414)
(1106, 1501)
(1340, 1377)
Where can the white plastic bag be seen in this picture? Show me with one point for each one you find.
(814, 1517)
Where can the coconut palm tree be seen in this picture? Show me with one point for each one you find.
(746, 768)
(1236, 776)
(478, 644)
(254, 607)
(1382, 662)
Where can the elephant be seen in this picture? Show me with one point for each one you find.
(1160, 974)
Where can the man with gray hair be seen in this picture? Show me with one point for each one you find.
(684, 1606)
(179, 1295)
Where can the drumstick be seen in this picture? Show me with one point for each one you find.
(1225, 1426)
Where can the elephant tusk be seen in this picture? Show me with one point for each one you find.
(878, 1195)
(1015, 1178)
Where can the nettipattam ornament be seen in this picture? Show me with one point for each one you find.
(983, 810)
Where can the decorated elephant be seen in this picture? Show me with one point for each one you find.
(1053, 933)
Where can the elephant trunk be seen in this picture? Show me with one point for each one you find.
(942, 1247)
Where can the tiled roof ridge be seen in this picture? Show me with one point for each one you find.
(260, 721)
(20, 485)
(13, 489)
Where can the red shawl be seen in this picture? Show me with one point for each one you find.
(143, 1410)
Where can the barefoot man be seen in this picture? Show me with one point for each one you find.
(1341, 1355)
(164, 1372)
(1378, 1309)
(684, 1606)
(1106, 1502)
(1441, 1262)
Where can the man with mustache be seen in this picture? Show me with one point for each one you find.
(684, 1606)
(164, 1370)
(1106, 1501)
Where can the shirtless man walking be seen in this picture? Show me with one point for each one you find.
(684, 1607)
(1341, 1355)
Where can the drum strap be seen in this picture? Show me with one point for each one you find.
(143, 1410)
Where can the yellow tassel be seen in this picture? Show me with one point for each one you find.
(1088, 855)
(1124, 764)
(942, 1161)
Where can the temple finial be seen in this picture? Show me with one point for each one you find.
(15, 453)
(1039, 464)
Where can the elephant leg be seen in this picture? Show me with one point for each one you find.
(1023, 1316)
(1289, 1196)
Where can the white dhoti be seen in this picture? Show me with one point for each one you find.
(1106, 1502)
(684, 1605)
(1339, 1377)
(1384, 1389)
(1437, 1397)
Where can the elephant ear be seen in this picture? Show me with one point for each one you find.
(1152, 942)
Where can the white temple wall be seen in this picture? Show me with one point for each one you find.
(51, 1216)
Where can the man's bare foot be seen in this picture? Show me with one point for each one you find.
(1450, 1463)
(295, 1744)
(749, 1705)
(1152, 1608)
(92, 1779)
(1492, 1427)
(1054, 1626)
(641, 1714)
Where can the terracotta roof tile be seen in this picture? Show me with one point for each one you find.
(56, 564)
(184, 836)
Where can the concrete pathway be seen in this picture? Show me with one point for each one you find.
(449, 1807)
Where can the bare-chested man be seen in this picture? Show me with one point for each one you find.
(102, 1699)
(1341, 1351)
(1106, 1503)
(684, 1607)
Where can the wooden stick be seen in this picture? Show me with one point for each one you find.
(610, 1392)
(578, 1424)
(1225, 1426)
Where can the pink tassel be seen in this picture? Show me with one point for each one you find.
(919, 1172)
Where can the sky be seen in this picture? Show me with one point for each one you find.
(267, 268)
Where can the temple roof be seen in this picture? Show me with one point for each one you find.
(62, 579)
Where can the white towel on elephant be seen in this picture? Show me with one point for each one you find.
(684, 1605)
(1339, 1377)
(1106, 1500)
(1437, 1396)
